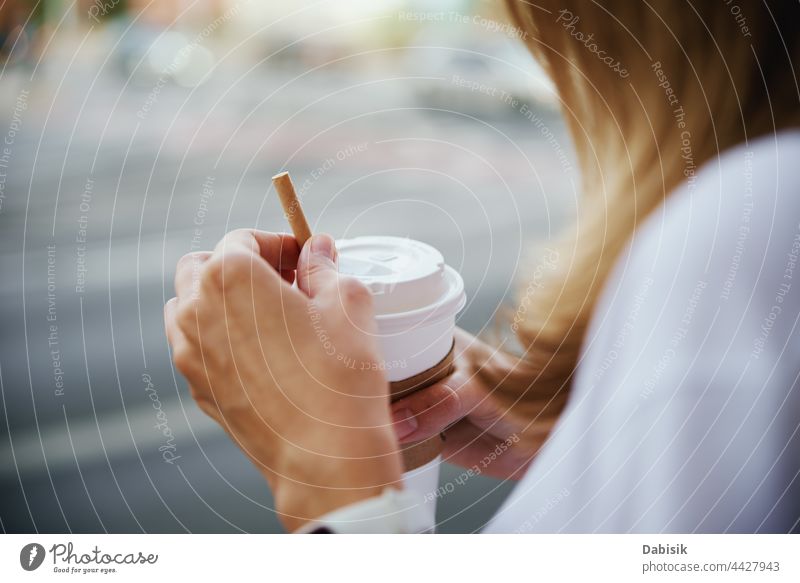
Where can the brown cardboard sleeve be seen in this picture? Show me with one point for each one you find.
(420, 453)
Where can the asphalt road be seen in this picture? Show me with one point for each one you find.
(107, 188)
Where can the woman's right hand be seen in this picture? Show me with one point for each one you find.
(479, 432)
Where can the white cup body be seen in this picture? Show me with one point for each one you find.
(408, 354)
(425, 481)
(417, 298)
(416, 350)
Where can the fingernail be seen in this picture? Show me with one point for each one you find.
(404, 423)
(323, 245)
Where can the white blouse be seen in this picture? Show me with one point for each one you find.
(684, 415)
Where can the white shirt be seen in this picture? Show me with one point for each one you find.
(684, 415)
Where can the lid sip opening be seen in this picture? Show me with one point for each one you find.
(409, 280)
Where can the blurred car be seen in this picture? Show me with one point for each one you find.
(150, 55)
(20, 26)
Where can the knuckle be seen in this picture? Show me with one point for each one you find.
(212, 273)
(183, 357)
(190, 265)
(197, 393)
(189, 260)
(239, 233)
(229, 269)
(353, 292)
(183, 262)
(205, 405)
(237, 266)
(186, 317)
(230, 235)
(448, 399)
(439, 398)
(235, 237)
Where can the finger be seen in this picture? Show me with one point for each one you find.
(465, 445)
(318, 276)
(170, 326)
(187, 273)
(238, 267)
(247, 291)
(181, 354)
(317, 266)
(257, 249)
(429, 411)
(280, 250)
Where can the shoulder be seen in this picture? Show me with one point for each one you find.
(739, 210)
(721, 254)
(707, 294)
(682, 415)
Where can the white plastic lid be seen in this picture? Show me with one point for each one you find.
(408, 279)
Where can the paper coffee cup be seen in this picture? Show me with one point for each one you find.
(416, 299)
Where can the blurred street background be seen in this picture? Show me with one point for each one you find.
(132, 132)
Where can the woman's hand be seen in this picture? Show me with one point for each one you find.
(479, 432)
(273, 365)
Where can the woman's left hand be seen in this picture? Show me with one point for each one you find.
(290, 373)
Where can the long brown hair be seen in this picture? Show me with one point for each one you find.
(650, 91)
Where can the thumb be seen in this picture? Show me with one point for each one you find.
(317, 266)
(318, 276)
